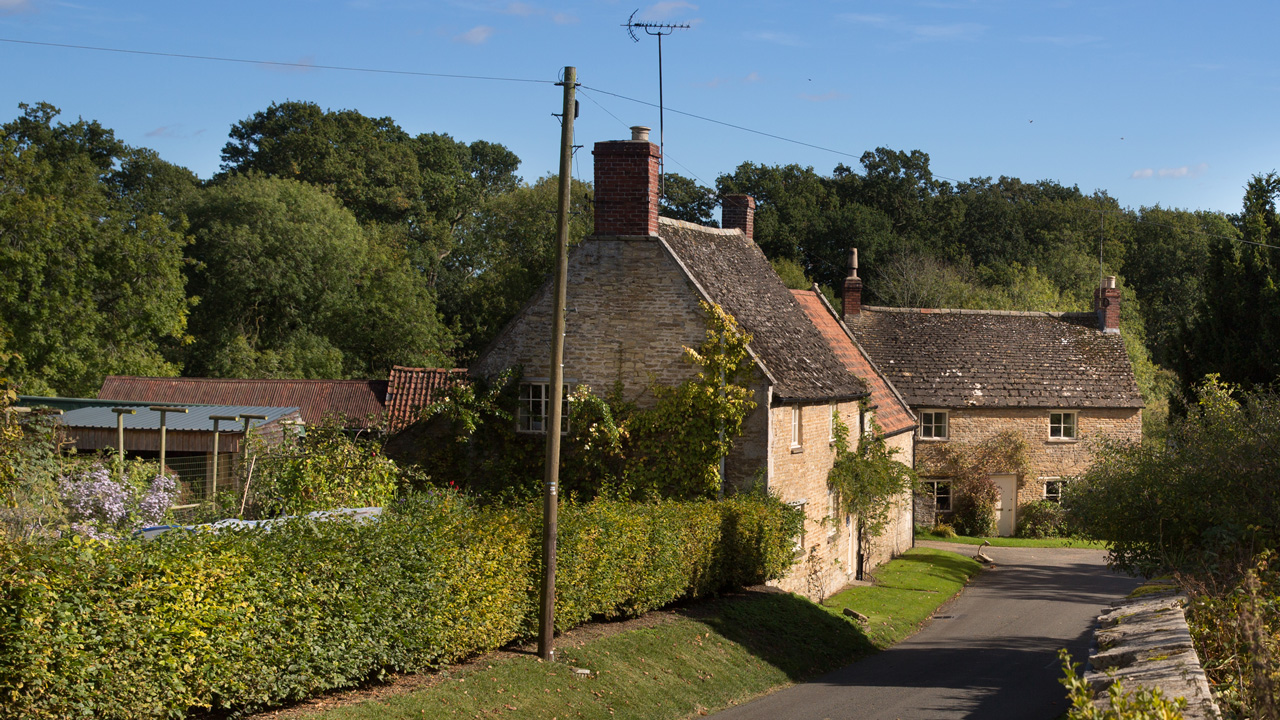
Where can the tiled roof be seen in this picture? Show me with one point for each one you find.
(358, 402)
(891, 410)
(734, 273)
(974, 358)
(410, 389)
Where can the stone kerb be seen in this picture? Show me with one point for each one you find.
(1145, 642)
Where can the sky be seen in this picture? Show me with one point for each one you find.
(1171, 103)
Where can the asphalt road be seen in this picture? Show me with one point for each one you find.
(991, 653)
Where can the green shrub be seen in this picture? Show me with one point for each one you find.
(247, 618)
(1041, 519)
(943, 530)
(1141, 704)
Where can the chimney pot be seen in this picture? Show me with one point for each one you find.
(852, 295)
(640, 133)
(1106, 302)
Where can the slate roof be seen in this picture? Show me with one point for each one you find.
(892, 412)
(976, 358)
(196, 419)
(735, 274)
(359, 402)
(410, 389)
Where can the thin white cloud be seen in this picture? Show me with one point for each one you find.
(564, 18)
(777, 38)
(665, 10)
(1062, 40)
(13, 7)
(522, 9)
(475, 36)
(924, 33)
(824, 97)
(954, 31)
(752, 77)
(1171, 173)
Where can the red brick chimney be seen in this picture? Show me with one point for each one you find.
(739, 211)
(852, 288)
(626, 192)
(1106, 301)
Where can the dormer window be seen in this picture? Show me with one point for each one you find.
(933, 424)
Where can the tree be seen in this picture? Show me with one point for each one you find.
(290, 285)
(503, 255)
(685, 199)
(1238, 326)
(93, 281)
(428, 185)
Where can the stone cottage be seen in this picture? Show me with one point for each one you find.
(1062, 380)
(634, 289)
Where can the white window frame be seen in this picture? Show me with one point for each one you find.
(1067, 427)
(1056, 495)
(797, 428)
(533, 408)
(929, 424)
(831, 423)
(932, 489)
(833, 512)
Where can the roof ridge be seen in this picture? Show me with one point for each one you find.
(242, 380)
(700, 228)
(967, 311)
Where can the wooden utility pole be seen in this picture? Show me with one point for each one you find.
(550, 495)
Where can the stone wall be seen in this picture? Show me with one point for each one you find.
(630, 313)
(829, 548)
(1049, 458)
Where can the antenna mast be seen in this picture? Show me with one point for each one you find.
(657, 30)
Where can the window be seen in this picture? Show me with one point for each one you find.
(1062, 426)
(797, 425)
(831, 423)
(1053, 489)
(940, 491)
(535, 400)
(933, 424)
(833, 513)
(798, 548)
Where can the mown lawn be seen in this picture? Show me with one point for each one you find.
(707, 657)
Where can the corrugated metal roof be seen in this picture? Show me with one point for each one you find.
(195, 420)
(410, 389)
(359, 402)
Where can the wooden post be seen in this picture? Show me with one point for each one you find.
(213, 493)
(550, 497)
(162, 409)
(120, 413)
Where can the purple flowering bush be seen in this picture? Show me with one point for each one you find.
(103, 505)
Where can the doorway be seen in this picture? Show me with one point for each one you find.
(1006, 506)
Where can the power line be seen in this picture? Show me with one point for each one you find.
(308, 66)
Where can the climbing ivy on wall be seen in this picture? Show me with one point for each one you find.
(867, 479)
(970, 467)
(613, 447)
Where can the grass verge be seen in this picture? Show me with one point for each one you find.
(703, 658)
(1015, 541)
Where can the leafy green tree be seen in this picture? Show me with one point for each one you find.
(290, 285)
(684, 199)
(1237, 329)
(428, 185)
(93, 281)
(503, 255)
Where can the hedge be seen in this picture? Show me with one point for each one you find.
(245, 619)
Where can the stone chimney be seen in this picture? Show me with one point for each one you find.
(852, 295)
(627, 173)
(1106, 301)
(739, 211)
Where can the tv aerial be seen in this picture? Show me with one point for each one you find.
(657, 30)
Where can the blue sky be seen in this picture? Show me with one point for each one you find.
(1175, 103)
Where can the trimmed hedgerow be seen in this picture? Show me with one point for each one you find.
(244, 619)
